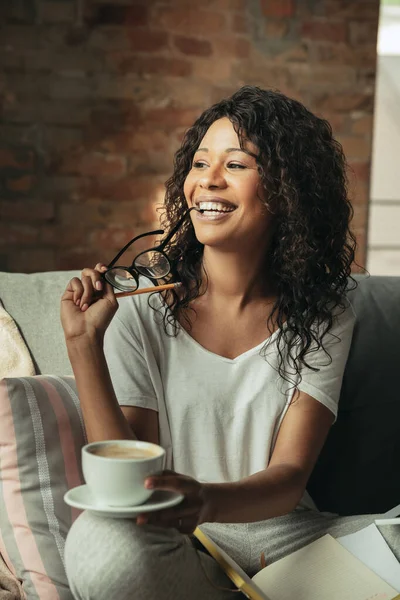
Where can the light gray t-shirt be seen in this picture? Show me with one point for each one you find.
(218, 417)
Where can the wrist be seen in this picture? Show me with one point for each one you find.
(216, 500)
(87, 339)
(86, 344)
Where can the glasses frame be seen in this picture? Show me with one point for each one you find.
(132, 270)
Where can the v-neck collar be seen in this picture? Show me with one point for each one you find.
(237, 359)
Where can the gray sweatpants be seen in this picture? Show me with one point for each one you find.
(109, 559)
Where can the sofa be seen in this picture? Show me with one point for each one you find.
(357, 471)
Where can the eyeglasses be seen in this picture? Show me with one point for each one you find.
(152, 263)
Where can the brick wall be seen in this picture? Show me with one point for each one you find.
(95, 96)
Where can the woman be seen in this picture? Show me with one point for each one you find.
(238, 372)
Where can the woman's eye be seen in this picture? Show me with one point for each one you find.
(197, 164)
(233, 165)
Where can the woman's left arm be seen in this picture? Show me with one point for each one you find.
(278, 489)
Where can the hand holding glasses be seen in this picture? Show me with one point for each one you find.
(152, 263)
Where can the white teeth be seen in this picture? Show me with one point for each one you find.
(217, 206)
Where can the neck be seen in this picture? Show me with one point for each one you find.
(236, 277)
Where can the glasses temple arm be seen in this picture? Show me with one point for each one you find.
(175, 229)
(120, 253)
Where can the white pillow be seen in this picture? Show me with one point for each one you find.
(15, 360)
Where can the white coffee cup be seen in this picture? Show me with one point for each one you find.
(115, 470)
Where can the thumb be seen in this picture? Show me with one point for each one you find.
(108, 293)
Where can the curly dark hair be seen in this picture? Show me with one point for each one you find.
(303, 172)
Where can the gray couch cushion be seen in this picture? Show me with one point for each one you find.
(358, 469)
(34, 303)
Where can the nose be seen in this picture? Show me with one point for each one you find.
(212, 177)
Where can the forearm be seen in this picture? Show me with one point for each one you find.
(101, 412)
(270, 493)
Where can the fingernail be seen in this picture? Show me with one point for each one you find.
(148, 484)
(85, 306)
(98, 285)
(77, 302)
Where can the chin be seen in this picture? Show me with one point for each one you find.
(213, 240)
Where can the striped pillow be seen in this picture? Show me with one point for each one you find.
(41, 435)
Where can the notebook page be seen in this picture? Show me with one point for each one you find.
(323, 569)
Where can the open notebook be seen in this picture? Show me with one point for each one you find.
(322, 570)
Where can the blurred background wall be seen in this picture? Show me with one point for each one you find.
(95, 96)
(383, 253)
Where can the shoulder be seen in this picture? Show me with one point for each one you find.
(344, 318)
(332, 338)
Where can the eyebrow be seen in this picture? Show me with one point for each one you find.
(255, 156)
(227, 150)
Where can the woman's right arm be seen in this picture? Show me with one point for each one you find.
(87, 308)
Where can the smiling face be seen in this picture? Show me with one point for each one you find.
(224, 181)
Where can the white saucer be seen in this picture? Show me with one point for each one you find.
(81, 497)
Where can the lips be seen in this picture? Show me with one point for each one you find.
(213, 204)
(213, 209)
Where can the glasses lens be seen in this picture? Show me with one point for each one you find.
(152, 264)
(121, 279)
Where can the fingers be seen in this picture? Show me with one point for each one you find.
(172, 482)
(74, 290)
(184, 517)
(90, 287)
(87, 294)
(92, 281)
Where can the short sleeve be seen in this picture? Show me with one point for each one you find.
(126, 359)
(325, 384)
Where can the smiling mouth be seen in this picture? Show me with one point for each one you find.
(214, 207)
